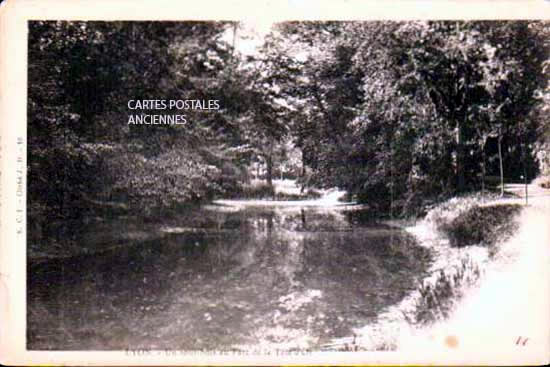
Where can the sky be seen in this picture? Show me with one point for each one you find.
(250, 35)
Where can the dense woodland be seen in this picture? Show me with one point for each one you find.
(398, 114)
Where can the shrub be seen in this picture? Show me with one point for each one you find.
(481, 225)
(256, 191)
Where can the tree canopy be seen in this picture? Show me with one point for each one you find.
(396, 113)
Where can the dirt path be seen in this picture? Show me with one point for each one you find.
(507, 318)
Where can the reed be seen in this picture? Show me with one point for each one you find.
(438, 297)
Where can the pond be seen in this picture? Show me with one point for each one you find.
(225, 277)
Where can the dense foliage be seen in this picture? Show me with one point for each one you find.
(418, 109)
(82, 152)
(482, 225)
(396, 113)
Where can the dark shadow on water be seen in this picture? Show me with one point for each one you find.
(256, 275)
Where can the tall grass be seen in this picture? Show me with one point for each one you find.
(439, 297)
(465, 221)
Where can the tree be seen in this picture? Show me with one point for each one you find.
(81, 77)
(427, 95)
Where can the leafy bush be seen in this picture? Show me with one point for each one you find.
(254, 191)
(481, 225)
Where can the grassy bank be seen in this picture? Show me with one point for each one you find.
(473, 222)
(477, 225)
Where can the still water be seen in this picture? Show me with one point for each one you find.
(225, 278)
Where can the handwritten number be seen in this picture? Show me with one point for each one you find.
(521, 341)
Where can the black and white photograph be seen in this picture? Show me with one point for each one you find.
(279, 188)
(300, 186)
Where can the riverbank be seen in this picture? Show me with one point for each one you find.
(506, 315)
(490, 286)
(341, 272)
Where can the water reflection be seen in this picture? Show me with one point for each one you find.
(248, 278)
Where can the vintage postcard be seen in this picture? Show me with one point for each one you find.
(274, 182)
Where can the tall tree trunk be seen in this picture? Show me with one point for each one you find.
(303, 172)
(460, 156)
(501, 164)
(269, 166)
(526, 185)
(524, 159)
(461, 123)
(483, 171)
